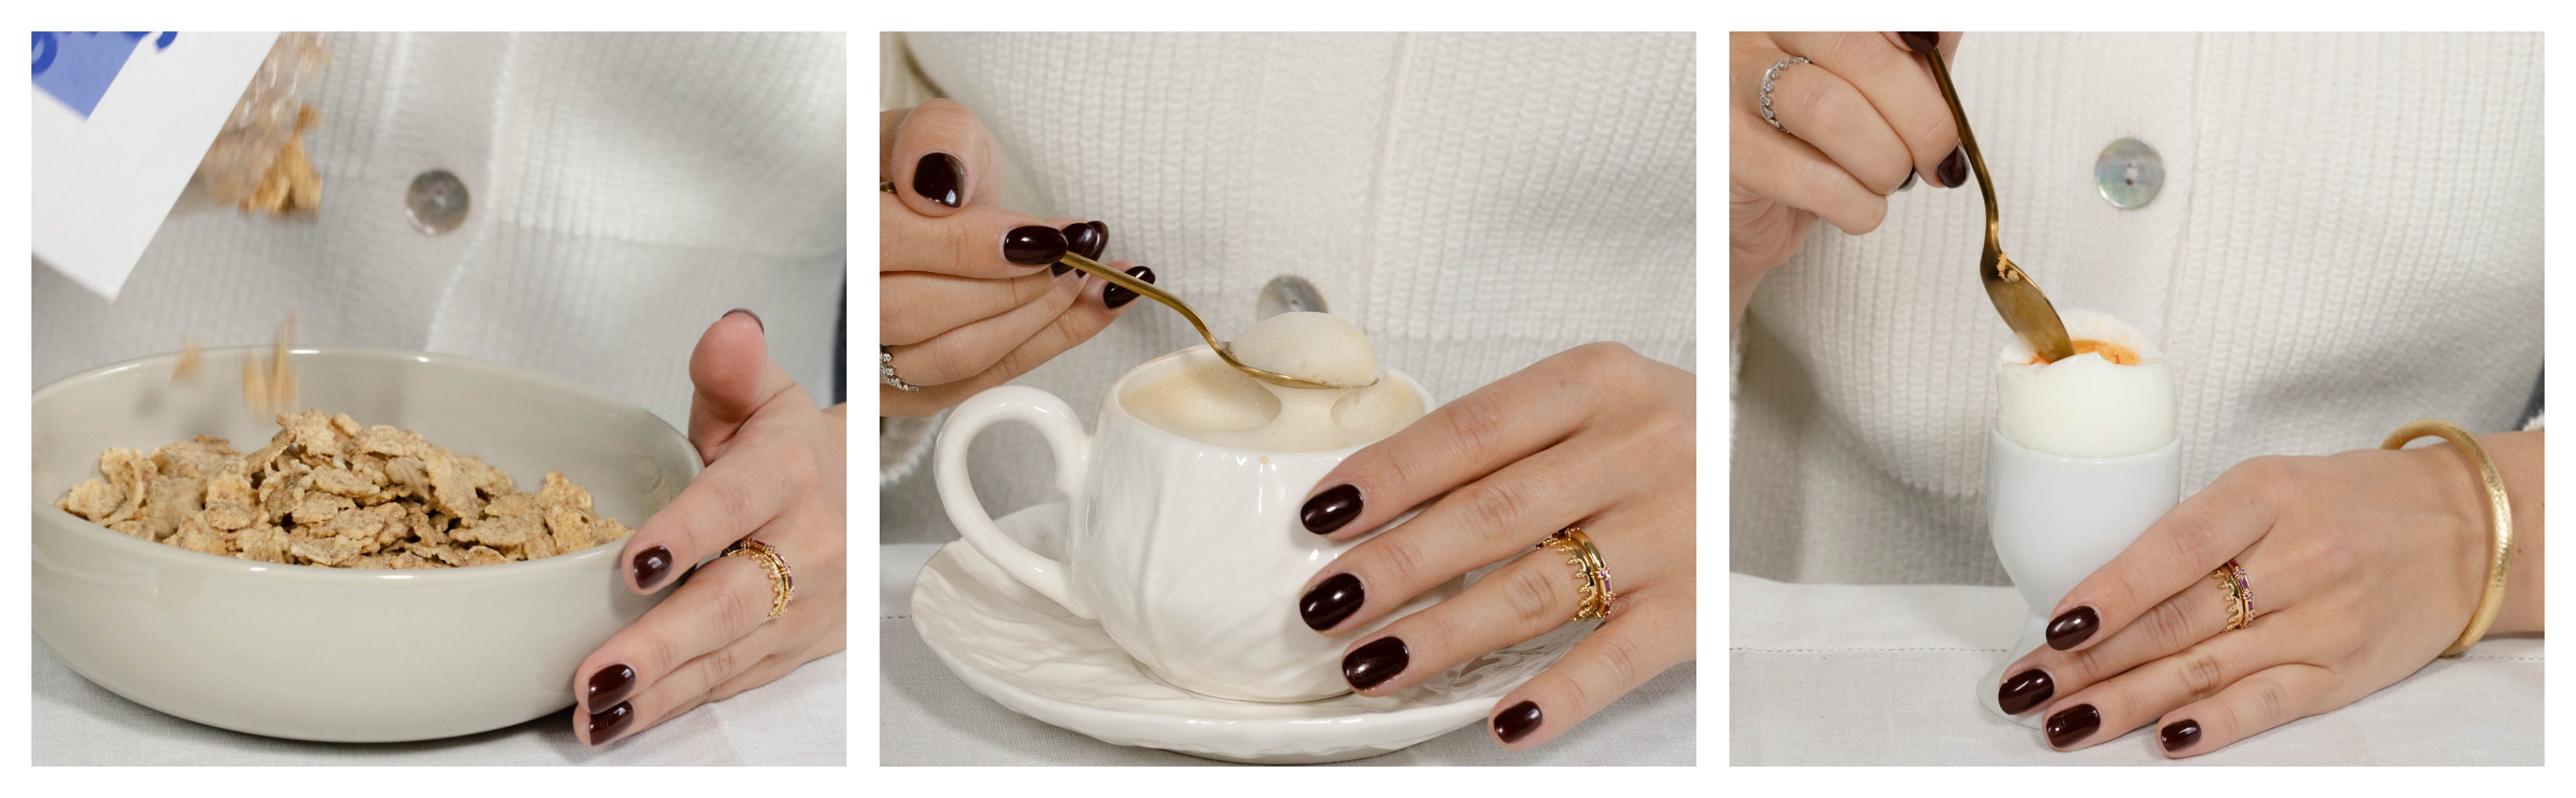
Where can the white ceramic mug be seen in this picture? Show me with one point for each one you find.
(1189, 554)
(2058, 519)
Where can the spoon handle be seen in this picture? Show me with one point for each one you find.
(1142, 288)
(1967, 140)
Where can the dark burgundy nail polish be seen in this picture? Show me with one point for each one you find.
(2073, 628)
(1034, 245)
(939, 178)
(1518, 721)
(2180, 734)
(1331, 601)
(755, 317)
(1087, 239)
(610, 685)
(606, 725)
(1908, 185)
(1331, 509)
(1373, 664)
(1921, 43)
(1115, 297)
(2072, 724)
(1084, 239)
(650, 566)
(2025, 691)
(1058, 269)
(1954, 169)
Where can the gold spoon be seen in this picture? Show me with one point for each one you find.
(1093, 268)
(2024, 308)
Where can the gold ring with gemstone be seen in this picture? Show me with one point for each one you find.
(2240, 594)
(782, 579)
(1593, 595)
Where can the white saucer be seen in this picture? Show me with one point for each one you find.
(1020, 649)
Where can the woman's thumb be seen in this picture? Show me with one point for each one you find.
(733, 377)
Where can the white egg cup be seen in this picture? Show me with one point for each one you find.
(1190, 555)
(2057, 519)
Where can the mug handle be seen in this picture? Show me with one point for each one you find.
(1072, 449)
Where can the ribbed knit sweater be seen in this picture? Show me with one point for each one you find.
(1473, 202)
(626, 190)
(2348, 238)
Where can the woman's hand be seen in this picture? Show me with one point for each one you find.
(1597, 437)
(773, 474)
(969, 295)
(2364, 566)
(1862, 119)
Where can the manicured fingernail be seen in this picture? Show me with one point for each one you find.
(1373, 664)
(2180, 734)
(1954, 169)
(2072, 724)
(1087, 239)
(1331, 509)
(1331, 601)
(1115, 297)
(1518, 721)
(939, 178)
(2073, 628)
(610, 685)
(2025, 691)
(755, 317)
(1921, 42)
(605, 725)
(1034, 245)
(650, 566)
(1908, 185)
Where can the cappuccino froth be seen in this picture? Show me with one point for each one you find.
(1210, 402)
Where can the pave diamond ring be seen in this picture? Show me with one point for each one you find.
(885, 370)
(1773, 75)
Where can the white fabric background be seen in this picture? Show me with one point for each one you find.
(801, 719)
(626, 191)
(2326, 262)
(926, 716)
(1885, 675)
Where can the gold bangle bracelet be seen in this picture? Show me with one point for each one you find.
(2500, 516)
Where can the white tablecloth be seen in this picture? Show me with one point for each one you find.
(801, 719)
(926, 716)
(1885, 674)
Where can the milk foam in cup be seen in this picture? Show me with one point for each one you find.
(1211, 402)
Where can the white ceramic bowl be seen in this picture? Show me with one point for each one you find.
(330, 654)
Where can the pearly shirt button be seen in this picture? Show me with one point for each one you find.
(436, 203)
(2129, 173)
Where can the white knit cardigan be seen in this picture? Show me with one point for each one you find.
(626, 191)
(2348, 238)
(1473, 202)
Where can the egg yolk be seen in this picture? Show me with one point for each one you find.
(2117, 354)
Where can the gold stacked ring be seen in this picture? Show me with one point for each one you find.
(1594, 593)
(2240, 594)
(782, 579)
